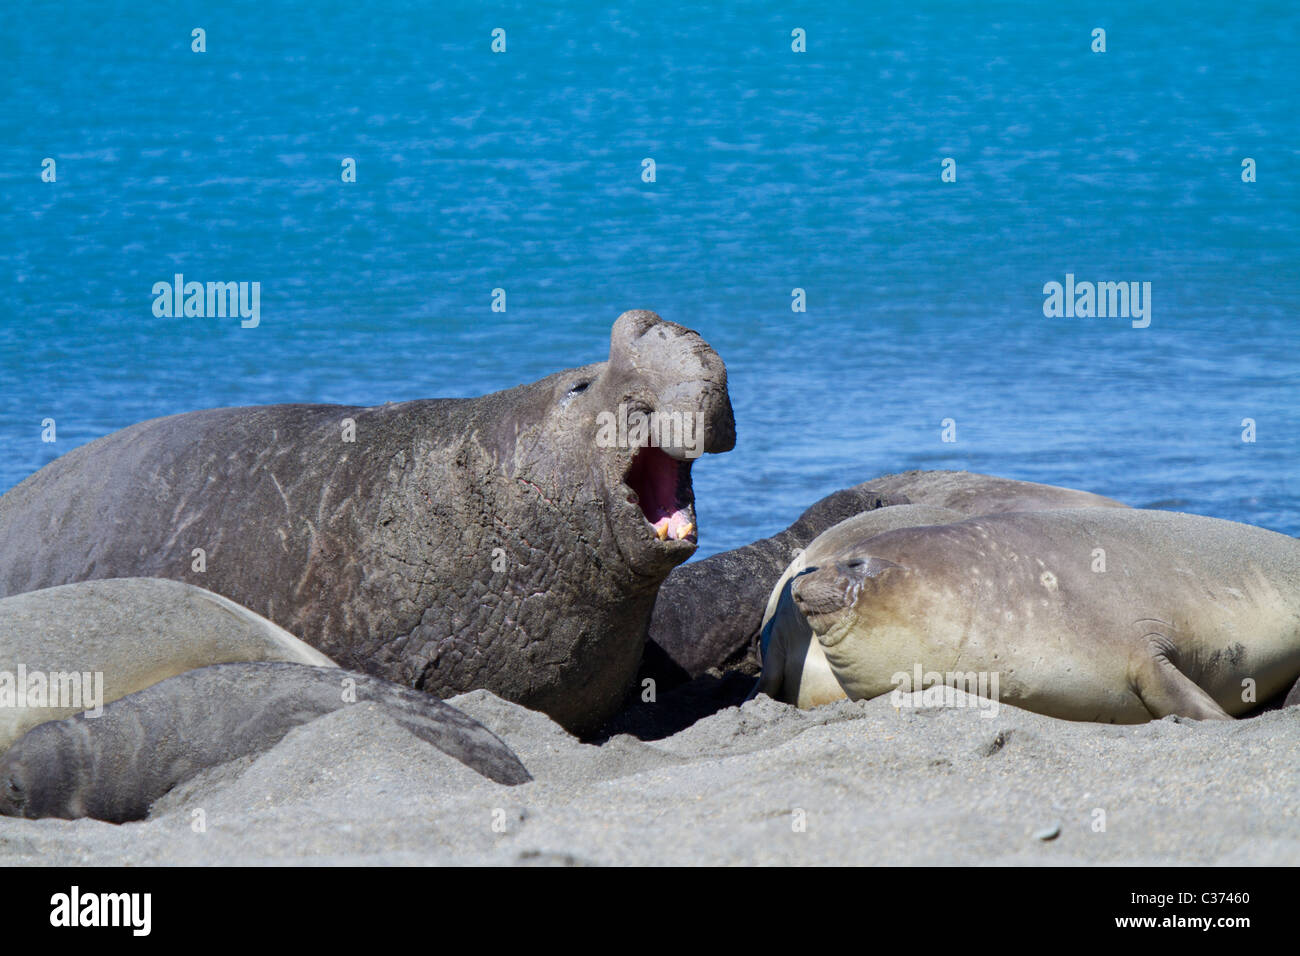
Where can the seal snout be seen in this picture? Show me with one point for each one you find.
(821, 592)
(684, 375)
(824, 592)
(667, 404)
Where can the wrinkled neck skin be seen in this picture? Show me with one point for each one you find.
(559, 481)
(557, 540)
(532, 463)
(501, 568)
(551, 496)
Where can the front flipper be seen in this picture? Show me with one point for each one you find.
(1165, 690)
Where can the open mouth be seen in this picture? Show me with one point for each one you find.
(661, 486)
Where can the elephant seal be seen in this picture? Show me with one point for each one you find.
(975, 494)
(709, 613)
(794, 668)
(1187, 612)
(113, 767)
(513, 542)
(78, 646)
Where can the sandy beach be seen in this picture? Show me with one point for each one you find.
(763, 783)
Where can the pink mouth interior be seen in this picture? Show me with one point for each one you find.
(662, 486)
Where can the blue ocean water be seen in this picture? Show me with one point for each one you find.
(775, 170)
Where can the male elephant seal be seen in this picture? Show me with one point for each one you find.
(512, 542)
(794, 668)
(1109, 615)
(113, 767)
(78, 646)
(709, 612)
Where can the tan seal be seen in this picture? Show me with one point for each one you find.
(1101, 614)
(76, 647)
(794, 668)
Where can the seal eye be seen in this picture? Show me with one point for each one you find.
(572, 392)
(577, 388)
(867, 567)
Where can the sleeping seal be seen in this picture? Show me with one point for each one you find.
(794, 668)
(1098, 614)
(78, 646)
(709, 613)
(113, 767)
(513, 542)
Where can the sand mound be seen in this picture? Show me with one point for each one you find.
(761, 783)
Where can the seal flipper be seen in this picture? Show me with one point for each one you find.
(1165, 690)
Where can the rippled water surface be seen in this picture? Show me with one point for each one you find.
(775, 170)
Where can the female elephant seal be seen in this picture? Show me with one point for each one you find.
(709, 613)
(113, 767)
(975, 494)
(794, 668)
(513, 542)
(1098, 614)
(78, 646)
